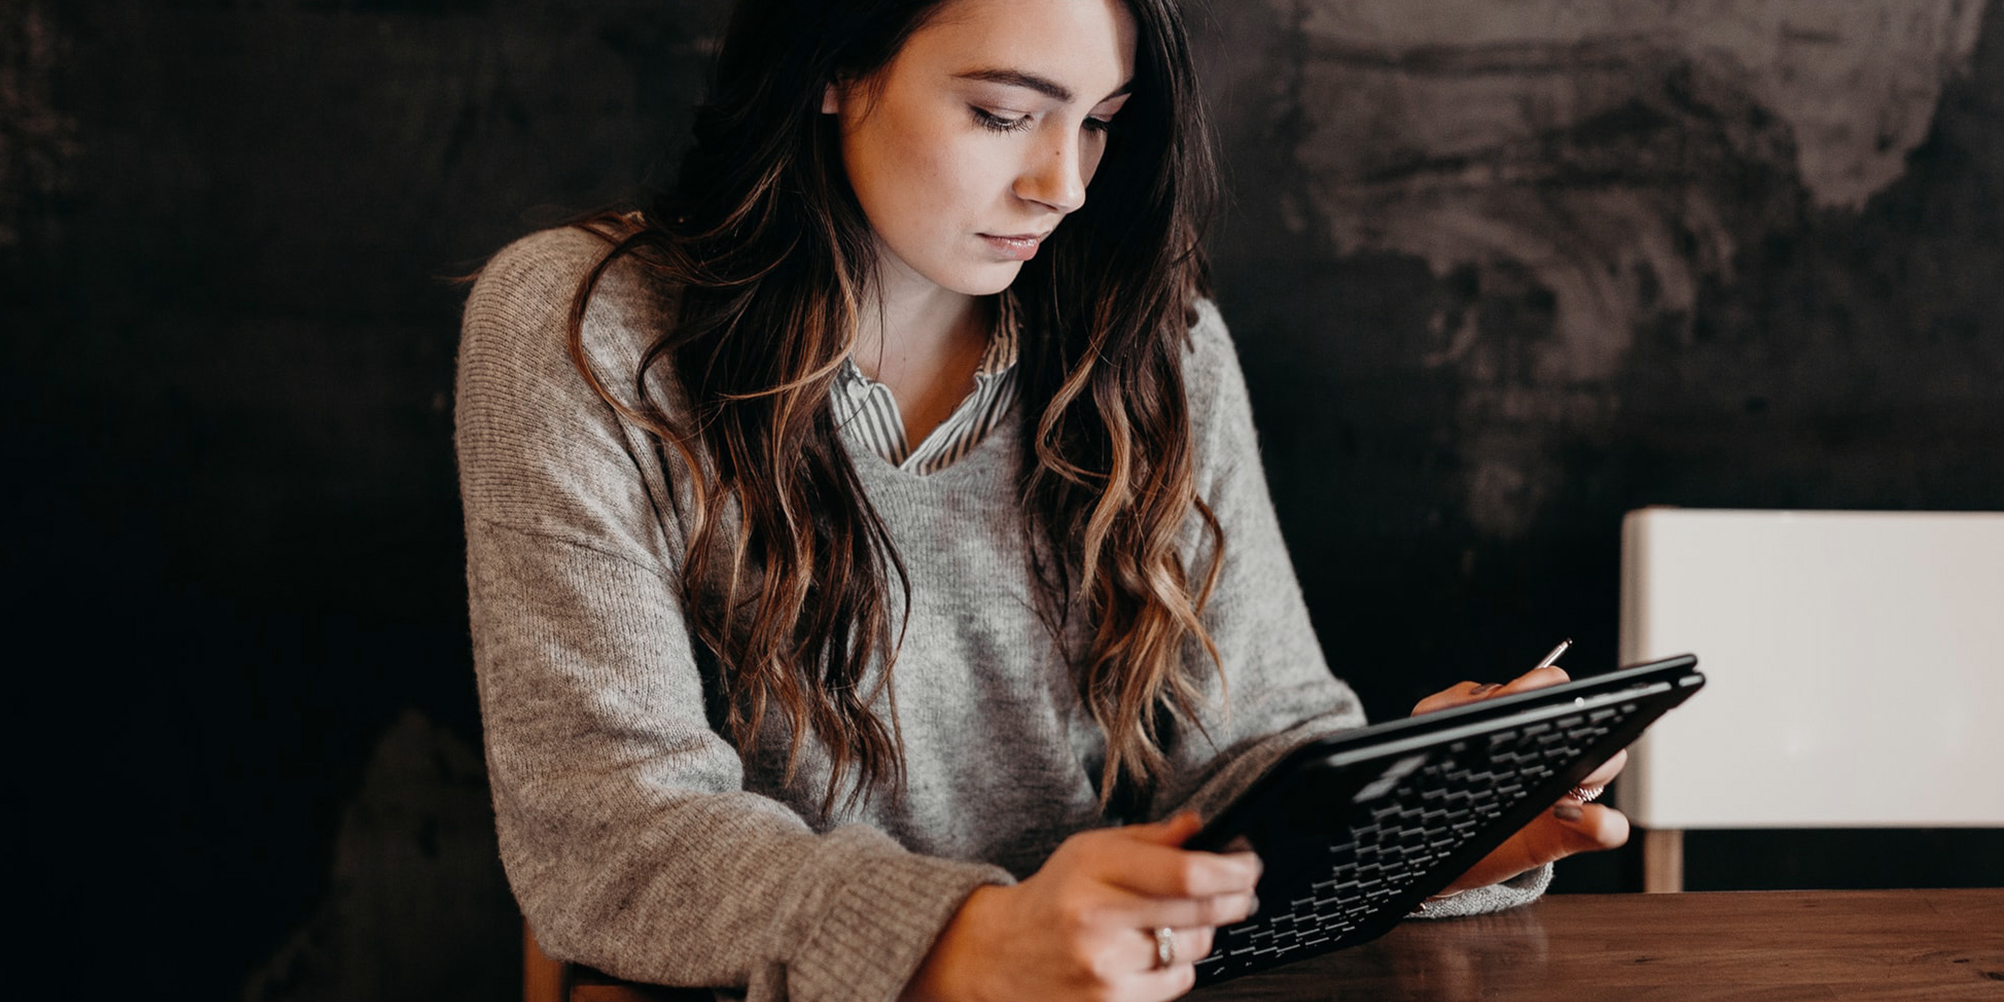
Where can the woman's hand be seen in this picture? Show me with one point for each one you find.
(1083, 926)
(1568, 827)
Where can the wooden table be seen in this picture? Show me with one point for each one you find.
(1771, 946)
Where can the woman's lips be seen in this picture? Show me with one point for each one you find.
(1016, 247)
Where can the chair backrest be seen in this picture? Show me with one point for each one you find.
(546, 979)
(1854, 665)
(543, 979)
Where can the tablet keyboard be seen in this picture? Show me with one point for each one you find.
(1385, 851)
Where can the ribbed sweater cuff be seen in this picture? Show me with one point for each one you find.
(880, 925)
(1519, 890)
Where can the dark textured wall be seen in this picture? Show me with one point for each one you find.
(1499, 272)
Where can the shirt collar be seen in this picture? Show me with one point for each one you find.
(997, 359)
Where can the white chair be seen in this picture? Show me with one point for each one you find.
(1854, 665)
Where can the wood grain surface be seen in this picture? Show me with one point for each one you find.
(1772, 946)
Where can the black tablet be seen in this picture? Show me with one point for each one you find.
(1357, 828)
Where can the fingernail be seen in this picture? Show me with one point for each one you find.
(1485, 688)
(1568, 812)
(1253, 908)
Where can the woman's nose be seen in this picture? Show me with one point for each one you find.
(1056, 175)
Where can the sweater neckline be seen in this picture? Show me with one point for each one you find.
(996, 447)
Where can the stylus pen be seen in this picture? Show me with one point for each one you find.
(1553, 657)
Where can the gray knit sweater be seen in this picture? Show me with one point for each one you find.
(639, 841)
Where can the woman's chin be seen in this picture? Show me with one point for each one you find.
(989, 279)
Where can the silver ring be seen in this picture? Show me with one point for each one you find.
(1588, 794)
(1165, 946)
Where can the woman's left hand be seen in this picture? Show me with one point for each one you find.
(1568, 827)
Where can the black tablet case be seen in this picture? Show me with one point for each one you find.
(1358, 828)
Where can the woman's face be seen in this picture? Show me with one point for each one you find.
(980, 136)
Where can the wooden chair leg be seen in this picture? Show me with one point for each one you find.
(543, 979)
(1662, 860)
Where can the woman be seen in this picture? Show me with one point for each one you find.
(862, 535)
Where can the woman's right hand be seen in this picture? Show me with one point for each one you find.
(1083, 926)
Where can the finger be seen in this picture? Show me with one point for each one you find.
(1159, 871)
(1536, 678)
(1144, 912)
(1553, 835)
(1600, 826)
(1607, 771)
(1463, 693)
(1156, 984)
(1187, 947)
(1458, 694)
(1172, 831)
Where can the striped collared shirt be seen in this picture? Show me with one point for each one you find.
(867, 408)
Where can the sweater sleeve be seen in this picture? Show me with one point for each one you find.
(1278, 691)
(624, 825)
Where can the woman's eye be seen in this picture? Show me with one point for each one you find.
(1098, 124)
(999, 123)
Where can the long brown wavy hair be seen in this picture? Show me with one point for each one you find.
(789, 566)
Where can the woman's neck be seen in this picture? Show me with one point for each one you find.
(924, 342)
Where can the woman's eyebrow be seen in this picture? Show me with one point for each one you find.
(1042, 85)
